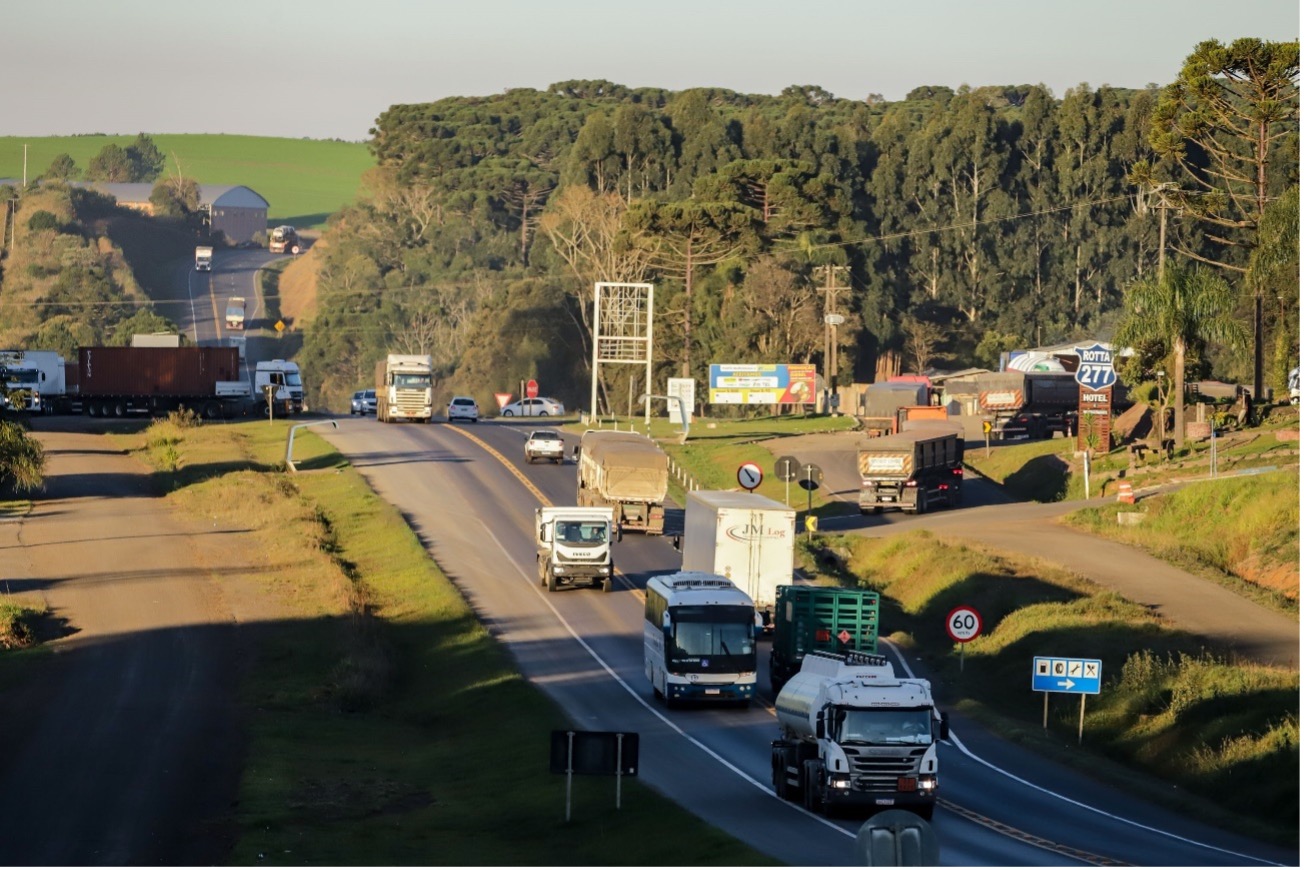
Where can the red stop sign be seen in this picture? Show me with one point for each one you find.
(532, 389)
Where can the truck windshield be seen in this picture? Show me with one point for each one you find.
(412, 382)
(582, 533)
(712, 638)
(15, 377)
(292, 379)
(886, 726)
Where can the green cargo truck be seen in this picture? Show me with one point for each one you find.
(827, 618)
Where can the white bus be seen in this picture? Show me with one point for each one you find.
(699, 639)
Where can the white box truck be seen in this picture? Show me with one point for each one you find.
(745, 537)
(203, 259)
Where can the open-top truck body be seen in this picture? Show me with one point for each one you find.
(627, 472)
(913, 470)
(808, 619)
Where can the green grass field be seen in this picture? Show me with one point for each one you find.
(304, 180)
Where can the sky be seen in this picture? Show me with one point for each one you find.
(327, 68)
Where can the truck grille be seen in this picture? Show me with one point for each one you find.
(410, 402)
(876, 769)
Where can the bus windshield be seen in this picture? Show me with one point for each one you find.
(885, 726)
(712, 638)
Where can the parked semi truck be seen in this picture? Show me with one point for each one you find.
(283, 379)
(117, 381)
(1032, 405)
(743, 536)
(573, 547)
(203, 259)
(35, 381)
(235, 312)
(853, 735)
(405, 388)
(282, 240)
(881, 402)
(914, 470)
(627, 472)
(808, 619)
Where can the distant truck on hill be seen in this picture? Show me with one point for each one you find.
(284, 239)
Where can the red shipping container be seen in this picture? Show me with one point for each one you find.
(156, 371)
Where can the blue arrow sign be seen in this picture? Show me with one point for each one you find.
(1074, 676)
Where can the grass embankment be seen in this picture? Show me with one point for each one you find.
(716, 448)
(303, 180)
(1226, 733)
(387, 725)
(1240, 531)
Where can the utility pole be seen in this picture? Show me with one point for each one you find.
(831, 320)
(24, 166)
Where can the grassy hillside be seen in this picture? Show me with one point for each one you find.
(304, 180)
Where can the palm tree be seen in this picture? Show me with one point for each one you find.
(1180, 307)
(22, 460)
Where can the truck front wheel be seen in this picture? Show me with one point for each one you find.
(552, 582)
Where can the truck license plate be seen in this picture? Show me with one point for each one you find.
(885, 498)
(712, 691)
(884, 802)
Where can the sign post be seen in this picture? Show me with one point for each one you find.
(963, 624)
(811, 478)
(1096, 378)
(785, 468)
(1065, 675)
(598, 753)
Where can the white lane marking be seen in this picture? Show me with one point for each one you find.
(959, 744)
(646, 706)
(190, 291)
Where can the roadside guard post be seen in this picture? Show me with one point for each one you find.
(897, 838)
(289, 439)
(596, 753)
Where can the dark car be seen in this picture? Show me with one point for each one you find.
(364, 402)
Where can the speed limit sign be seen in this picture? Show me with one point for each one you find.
(963, 624)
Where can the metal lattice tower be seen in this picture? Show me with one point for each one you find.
(622, 332)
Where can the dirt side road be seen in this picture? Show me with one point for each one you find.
(124, 747)
(1194, 604)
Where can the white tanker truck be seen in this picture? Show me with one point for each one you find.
(855, 735)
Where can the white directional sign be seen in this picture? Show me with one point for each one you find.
(749, 476)
(1075, 676)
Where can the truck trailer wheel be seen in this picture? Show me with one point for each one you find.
(779, 775)
(813, 770)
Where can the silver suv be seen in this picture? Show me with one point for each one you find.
(545, 444)
(463, 408)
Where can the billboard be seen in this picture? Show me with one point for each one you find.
(762, 384)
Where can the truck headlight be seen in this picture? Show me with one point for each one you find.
(604, 570)
(840, 782)
(558, 569)
(927, 783)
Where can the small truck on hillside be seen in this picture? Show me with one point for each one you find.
(573, 546)
(855, 735)
(627, 472)
(913, 470)
(203, 258)
(284, 240)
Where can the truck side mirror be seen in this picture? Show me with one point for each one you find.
(944, 731)
(678, 543)
(545, 533)
(819, 728)
(619, 532)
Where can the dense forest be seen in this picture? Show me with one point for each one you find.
(957, 223)
(945, 227)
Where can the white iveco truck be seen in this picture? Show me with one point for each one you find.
(854, 735)
(573, 546)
